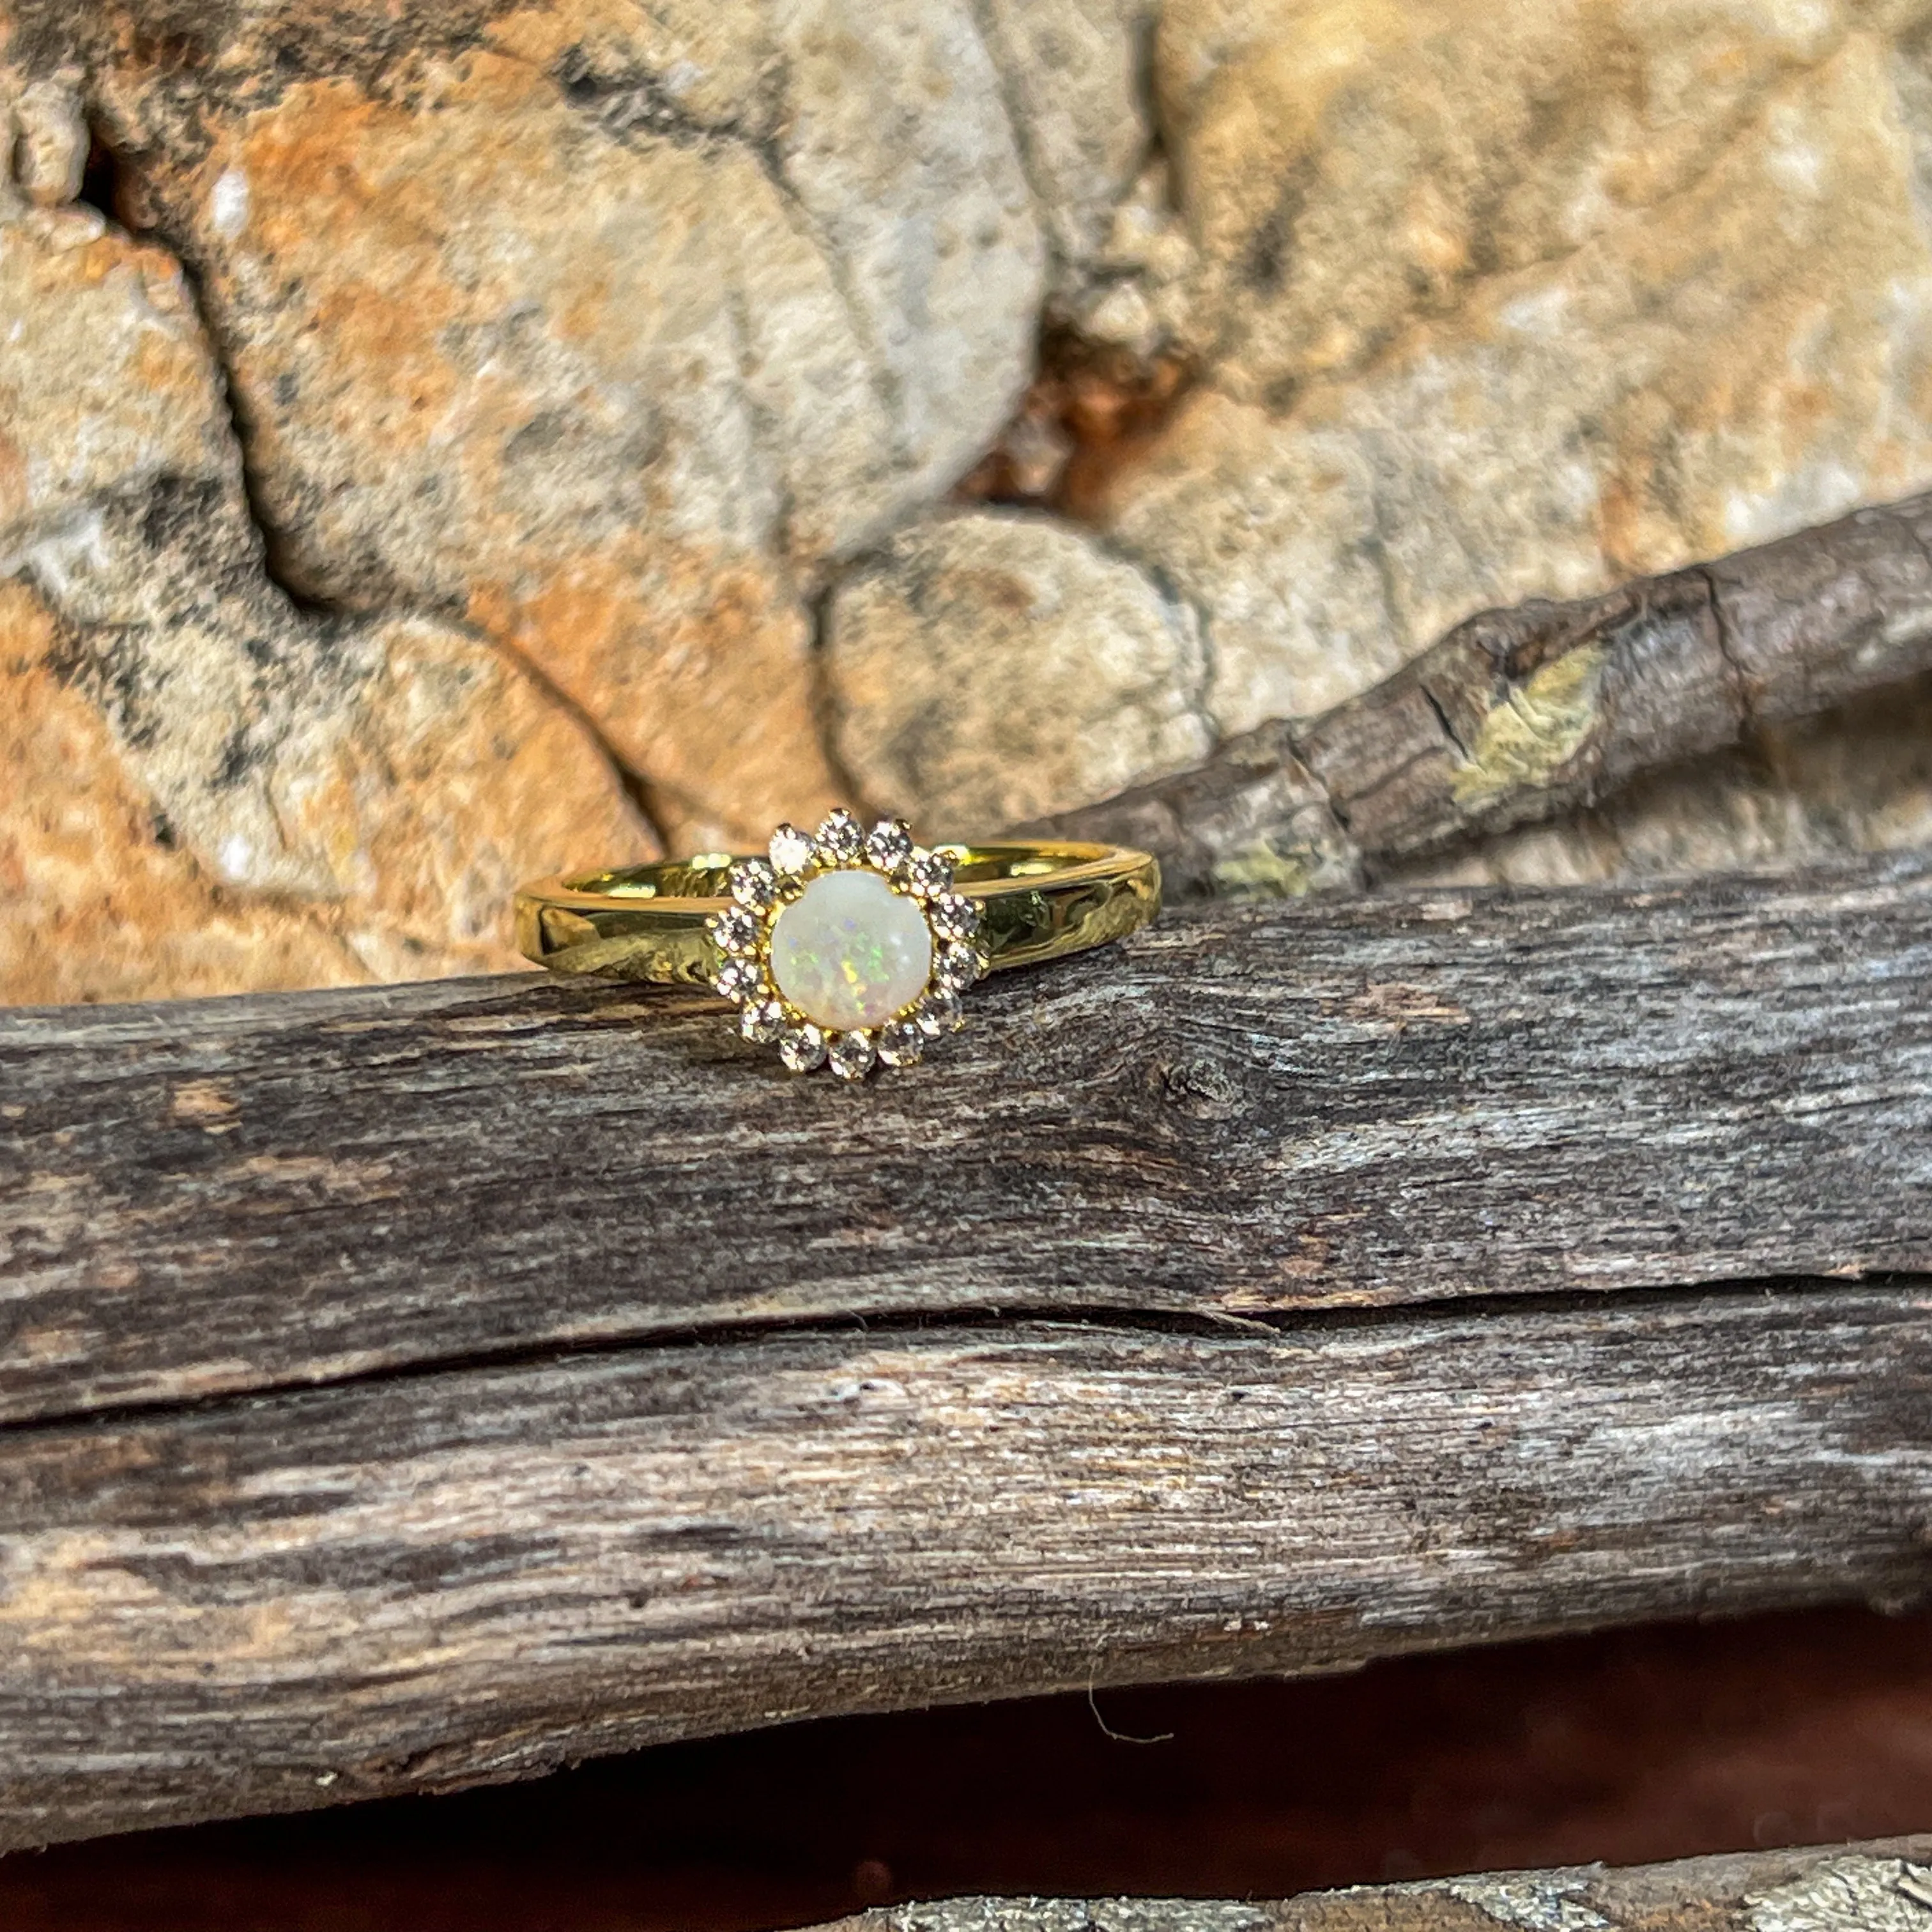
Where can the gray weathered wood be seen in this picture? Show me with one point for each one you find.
(1246, 1112)
(1884, 1886)
(282, 1600)
(408, 1387)
(1520, 714)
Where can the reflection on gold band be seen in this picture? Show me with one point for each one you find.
(1036, 901)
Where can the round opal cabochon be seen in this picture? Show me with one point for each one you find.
(850, 952)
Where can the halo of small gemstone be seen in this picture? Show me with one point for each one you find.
(738, 979)
(956, 968)
(929, 875)
(754, 884)
(840, 839)
(872, 976)
(953, 916)
(792, 851)
(889, 845)
(802, 1048)
(901, 1043)
(763, 1021)
(851, 1054)
(736, 930)
(939, 1012)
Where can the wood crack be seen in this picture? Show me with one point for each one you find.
(885, 1328)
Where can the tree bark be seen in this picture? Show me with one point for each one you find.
(1520, 715)
(411, 1387)
(1883, 1886)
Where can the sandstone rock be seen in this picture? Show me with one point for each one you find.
(94, 905)
(987, 668)
(582, 351)
(51, 140)
(106, 382)
(388, 781)
(1651, 335)
(1140, 289)
(1072, 74)
(604, 325)
(1346, 169)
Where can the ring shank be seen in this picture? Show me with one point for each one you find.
(1037, 900)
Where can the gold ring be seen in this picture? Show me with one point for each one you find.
(843, 948)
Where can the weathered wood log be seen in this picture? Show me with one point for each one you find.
(1520, 715)
(1246, 1110)
(423, 1579)
(1881, 1886)
(658, 1394)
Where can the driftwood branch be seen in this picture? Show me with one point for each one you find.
(1884, 1886)
(409, 1387)
(1520, 715)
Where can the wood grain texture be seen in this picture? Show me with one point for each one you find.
(1246, 1111)
(1521, 714)
(423, 1579)
(1883, 1886)
(409, 1386)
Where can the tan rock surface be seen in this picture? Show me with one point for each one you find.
(991, 668)
(93, 905)
(1736, 354)
(607, 326)
(388, 781)
(106, 382)
(1348, 168)
(1071, 74)
(604, 370)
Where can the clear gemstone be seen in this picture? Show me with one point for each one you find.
(930, 874)
(850, 952)
(841, 838)
(763, 1020)
(792, 851)
(852, 1055)
(803, 1049)
(736, 931)
(954, 916)
(938, 1013)
(737, 979)
(889, 845)
(958, 967)
(752, 883)
(901, 1043)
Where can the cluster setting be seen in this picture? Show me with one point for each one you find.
(845, 948)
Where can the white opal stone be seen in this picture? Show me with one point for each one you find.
(850, 952)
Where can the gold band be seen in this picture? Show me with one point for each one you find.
(1036, 901)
